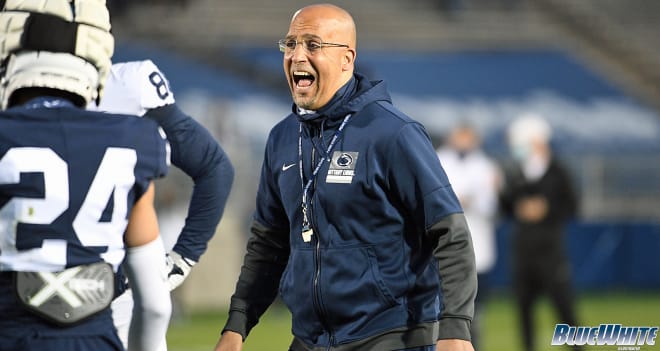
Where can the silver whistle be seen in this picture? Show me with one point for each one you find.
(307, 234)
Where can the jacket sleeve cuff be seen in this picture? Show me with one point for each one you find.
(454, 328)
(237, 322)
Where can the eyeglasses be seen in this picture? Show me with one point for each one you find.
(311, 45)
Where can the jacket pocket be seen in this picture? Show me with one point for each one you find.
(353, 290)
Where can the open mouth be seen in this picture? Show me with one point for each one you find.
(303, 79)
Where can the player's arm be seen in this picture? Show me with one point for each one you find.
(199, 155)
(145, 269)
(139, 87)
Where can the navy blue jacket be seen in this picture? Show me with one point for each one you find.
(390, 253)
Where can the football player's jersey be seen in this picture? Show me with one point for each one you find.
(68, 181)
(137, 86)
(133, 88)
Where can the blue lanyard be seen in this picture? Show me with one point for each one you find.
(310, 181)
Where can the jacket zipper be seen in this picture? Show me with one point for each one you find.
(320, 310)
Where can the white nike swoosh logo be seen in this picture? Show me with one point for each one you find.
(285, 167)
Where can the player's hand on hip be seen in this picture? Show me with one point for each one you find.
(454, 345)
(178, 268)
(230, 341)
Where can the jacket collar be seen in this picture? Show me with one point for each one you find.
(350, 98)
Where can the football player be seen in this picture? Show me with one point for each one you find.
(76, 188)
(140, 88)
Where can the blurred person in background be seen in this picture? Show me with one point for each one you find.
(539, 198)
(475, 178)
(356, 225)
(140, 88)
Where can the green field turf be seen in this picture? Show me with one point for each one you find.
(500, 331)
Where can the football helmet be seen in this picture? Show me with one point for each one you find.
(58, 44)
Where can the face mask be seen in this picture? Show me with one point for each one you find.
(520, 152)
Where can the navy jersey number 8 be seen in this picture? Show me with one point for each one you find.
(114, 178)
(160, 83)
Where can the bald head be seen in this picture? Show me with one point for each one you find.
(334, 20)
(315, 74)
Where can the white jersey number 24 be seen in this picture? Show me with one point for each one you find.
(114, 178)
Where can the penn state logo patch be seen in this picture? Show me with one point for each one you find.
(342, 167)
